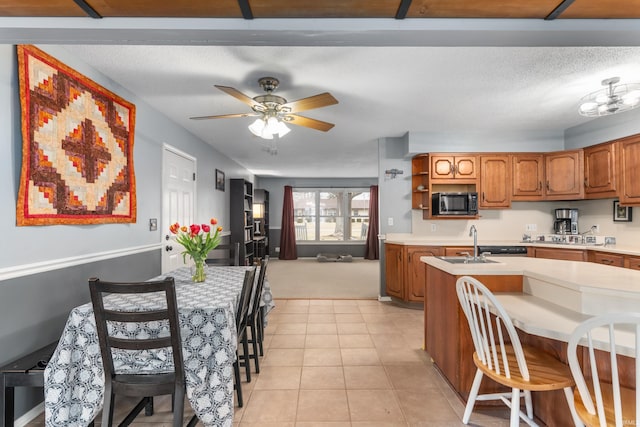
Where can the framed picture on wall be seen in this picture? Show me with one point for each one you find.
(219, 180)
(621, 213)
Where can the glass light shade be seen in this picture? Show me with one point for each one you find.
(257, 127)
(282, 129)
(613, 99)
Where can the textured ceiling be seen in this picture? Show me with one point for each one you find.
(390, 76)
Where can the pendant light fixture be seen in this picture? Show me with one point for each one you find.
(614, 98)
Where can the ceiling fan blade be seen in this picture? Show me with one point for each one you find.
(238, 95)
(224, 116)
(295, 119)
(316, 101)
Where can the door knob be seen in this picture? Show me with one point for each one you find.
(168, 248)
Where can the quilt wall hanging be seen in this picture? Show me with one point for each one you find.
(77, 147)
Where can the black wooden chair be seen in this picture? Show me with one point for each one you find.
(224, 255)
(241, 327)
(142, 385)
(255, 319)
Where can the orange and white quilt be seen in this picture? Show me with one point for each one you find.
(77, 147)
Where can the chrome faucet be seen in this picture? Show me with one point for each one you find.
(474, 232)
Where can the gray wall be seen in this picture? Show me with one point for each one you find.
(44, 269)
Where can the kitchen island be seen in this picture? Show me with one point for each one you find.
(546, 300)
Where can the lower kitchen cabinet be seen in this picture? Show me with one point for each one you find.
(416, 270)
(607, 258)
(405, 274)
(632, 262)
(394, 270)
(558, 253)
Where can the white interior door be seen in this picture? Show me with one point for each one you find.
(178, 202)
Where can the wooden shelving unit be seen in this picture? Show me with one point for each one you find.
(420, 195)
(242, 225)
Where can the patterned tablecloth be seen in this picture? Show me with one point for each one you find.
(74, 378)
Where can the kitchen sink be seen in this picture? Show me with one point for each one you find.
(465, 260)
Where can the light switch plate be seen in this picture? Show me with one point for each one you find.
(153, 224)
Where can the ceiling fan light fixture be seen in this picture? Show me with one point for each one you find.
(612, 99)
(257, 127)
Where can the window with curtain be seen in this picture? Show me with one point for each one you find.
(331, 214)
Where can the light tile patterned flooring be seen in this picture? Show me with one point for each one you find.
(342, 363)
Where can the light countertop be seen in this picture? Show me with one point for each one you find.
(558, 295)
(423, 241)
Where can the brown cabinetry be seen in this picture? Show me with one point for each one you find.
(447, 337)
(559, 253)
(606, 258)
(405, 274)
(420, 197)
(394, 270)
(458, 250)
(632, 262)
(454, 167)
(549, 176)
(564, 171)
(416, 270)
(600, 171)
(495, 183)
(527, 173)
(629, 193)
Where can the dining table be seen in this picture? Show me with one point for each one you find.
(74, 376)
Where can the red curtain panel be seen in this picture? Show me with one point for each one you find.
(288, 249)
(372, 248)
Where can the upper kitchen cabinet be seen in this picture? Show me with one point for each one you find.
(527, 173)
(454, 167)
(600, 164)
(629, 192)
(421, 197)
(564, 172)
(495, 182)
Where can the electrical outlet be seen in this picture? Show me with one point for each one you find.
(434, 227)
(531, 227)
(277, 249)
(390, 221)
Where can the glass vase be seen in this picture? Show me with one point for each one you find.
(198, 270)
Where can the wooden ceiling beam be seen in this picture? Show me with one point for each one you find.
(559, 9)
(88, 9)
(245, 8)
(403, 8)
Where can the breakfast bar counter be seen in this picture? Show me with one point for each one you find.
(546, 300)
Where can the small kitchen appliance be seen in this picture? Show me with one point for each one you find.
(454, 203)
(566, 221)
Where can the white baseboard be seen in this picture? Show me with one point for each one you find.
(385, 299)
(31, 415)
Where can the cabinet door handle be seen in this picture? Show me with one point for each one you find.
(452, 169)
(547, 185)
(483, 196)
(586, 183)
(539, 185)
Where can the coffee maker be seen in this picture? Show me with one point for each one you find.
(566, 221)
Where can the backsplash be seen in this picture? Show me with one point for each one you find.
(511, 224)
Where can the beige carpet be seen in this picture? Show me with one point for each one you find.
(308, 278)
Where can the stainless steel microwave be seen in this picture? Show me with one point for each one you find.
(454, 203)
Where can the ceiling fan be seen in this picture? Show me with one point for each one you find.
(273, 111)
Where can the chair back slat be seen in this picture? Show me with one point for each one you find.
(224, 255)
(111, 316)
(256, 294)
(487, 322)
(608, 403)
(244, 300)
